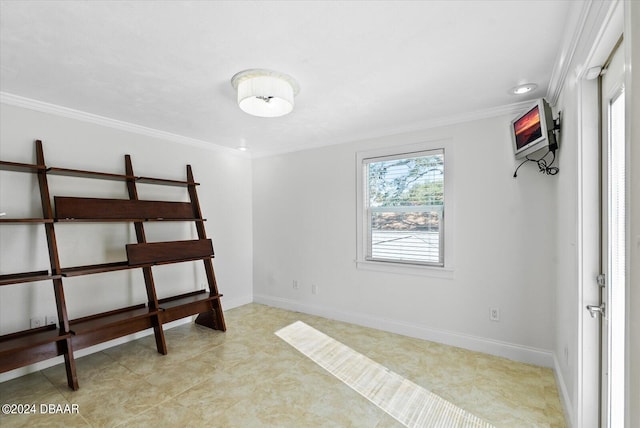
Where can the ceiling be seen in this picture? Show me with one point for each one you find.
(365, 68)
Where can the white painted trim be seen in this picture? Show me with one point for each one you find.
(632, 108)
(601, 31)
(570, 42)
(41, 106)
(407, 269)
(22, 371)
(237, 302)
(593, 18)
(524, 354)
(565, 400)
(585, 411)
(44, 107)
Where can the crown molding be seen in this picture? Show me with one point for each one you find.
(44, 107)
(41, 106)
(582, 32)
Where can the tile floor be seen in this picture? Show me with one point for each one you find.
(249, 377)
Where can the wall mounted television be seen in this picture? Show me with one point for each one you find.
(532, 130)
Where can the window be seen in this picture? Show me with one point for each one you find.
(404, 204)
(401, 208)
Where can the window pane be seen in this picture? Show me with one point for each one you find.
(407, 182)
(405, 206)
(409, 237)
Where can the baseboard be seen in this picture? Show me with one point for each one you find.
(236, 302)
(226, 305)
(565, 400)
(525, 354)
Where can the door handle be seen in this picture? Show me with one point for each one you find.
(596, 310)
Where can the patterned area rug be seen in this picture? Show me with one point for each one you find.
(410, 404)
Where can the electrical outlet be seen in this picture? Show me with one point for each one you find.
(37, 322)
(51, 320)
(295, 284)
(494, 314)
(314, 289)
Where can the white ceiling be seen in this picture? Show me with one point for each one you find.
(366, 68)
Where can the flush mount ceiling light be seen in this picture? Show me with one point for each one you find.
(523, 89)
(265, 93)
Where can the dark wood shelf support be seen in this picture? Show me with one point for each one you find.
(215, 318)
(63, 318)
(152, 297)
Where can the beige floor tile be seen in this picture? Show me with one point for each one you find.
(249, 377)
(34, 391)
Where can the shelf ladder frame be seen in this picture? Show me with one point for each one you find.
(34, 345)
(215, 318)
(152, 296)
(61, 306)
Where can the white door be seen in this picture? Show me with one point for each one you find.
(613, 241)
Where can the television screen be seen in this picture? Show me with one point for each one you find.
(532, 131)
(527, 128)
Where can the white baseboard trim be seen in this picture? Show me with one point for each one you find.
(565, 400)
(226, 305)
(236, 302)
(525, 354)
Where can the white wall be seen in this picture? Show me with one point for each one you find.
(224, 194)
(304, 229)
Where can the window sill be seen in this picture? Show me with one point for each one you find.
(406, 269)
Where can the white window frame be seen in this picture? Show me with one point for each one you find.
(362, 223)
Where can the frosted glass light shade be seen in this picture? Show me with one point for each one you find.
(265, 93)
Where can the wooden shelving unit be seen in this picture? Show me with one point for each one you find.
(34, 345)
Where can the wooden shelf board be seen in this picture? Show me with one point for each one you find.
(21, 167)
(89, 174)
(186, 299)
(18, 278)
(16, 342)
(166, 182)
(121, 220)
(70, 172)
(25, 220)
(169, 251)
(111, 325)
(93, 269)
(105, 319)
(185, 305)
(120, 209)
(39, 346)
(168, 262)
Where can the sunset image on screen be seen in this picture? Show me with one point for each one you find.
(527, 128)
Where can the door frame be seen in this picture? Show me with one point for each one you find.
(586, 406)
